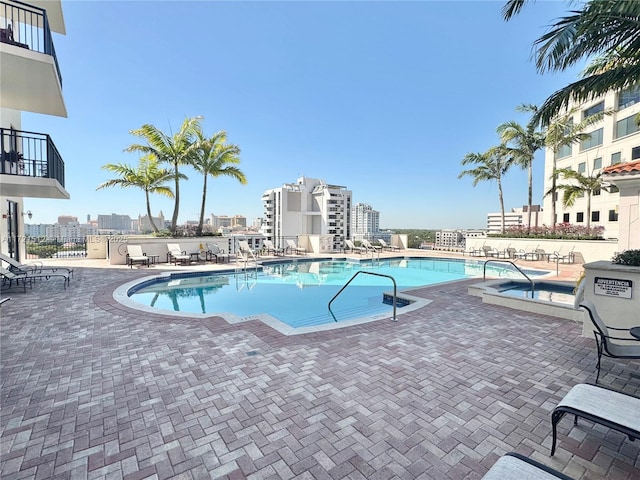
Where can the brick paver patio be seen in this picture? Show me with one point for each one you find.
(91, 389)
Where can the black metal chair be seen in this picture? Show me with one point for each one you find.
(604, 342)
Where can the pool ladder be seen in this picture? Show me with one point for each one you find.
(395, 291)
(484, 272)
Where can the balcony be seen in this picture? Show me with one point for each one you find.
(31, 165)
(30, 77)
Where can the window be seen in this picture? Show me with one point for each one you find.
(555, 196)
(595, 139)
(613, 189)
(563, 151)
(635, 153)
(597, 108)
(579, 217)
(626, 126)
(628, 97)
(595, 216)
(597, 163)
(613, 216)
(565, 218)
(596, 192)
(615, 158)
(582, 167)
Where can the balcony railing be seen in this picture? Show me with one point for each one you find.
(27, 26)
(30, 154)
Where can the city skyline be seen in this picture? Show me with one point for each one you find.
(383, 97)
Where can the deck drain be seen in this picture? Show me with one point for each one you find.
(251, 353)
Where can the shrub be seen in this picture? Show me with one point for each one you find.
(628, 257)
(562, 231)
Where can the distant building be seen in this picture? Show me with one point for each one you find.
(517, 217)
(218, 221)
(365, 222)
(70, 232)
(308, 207)
(36, 231)
(120, 223)
(144, 225)
(449, 239)
(67, 220)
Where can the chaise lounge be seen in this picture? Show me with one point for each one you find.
(513, 466)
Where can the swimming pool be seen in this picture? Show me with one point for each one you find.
(296, 293)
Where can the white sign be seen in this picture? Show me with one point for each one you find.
(612, 287)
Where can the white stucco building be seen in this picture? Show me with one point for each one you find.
(517, 217)
(365, 222)
(31, 81)
(614, 140)
(307, 207)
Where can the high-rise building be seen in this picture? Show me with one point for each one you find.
(308, 207)
(365, 222)
(614, 139)
(66, 219)
(31, 81)
(120, 223)
(517, 217)
(144, 225)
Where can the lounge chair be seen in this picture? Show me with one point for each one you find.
(35, 267)
(352, 247)
(269, 247)
(176, 254)
(136, 255)
(630, 349)
(10, 277)
(615, 410)
(386, 246)
(564, 255)
(513, 466)
(245, 251)
(217, 253)
(370, 247)
(294, 248)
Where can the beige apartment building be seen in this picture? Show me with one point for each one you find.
(614, 140)
(30, 81)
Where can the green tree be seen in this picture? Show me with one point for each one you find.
(601, 28)
(522, 143)
(489, 166)
(175, 150)
(563, 132)
(216, 158)
(147, 176)
(583, 185)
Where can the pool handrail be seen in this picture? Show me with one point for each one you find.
(484, 272)
(395, 291)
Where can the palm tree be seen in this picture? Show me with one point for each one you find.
(490, 165)
(147, 176)
(527, 140)
(563, 132)
(175, 150)
(214, 157)
(605, 28)
(585, 185)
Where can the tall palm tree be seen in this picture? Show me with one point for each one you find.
(214, 157)
(606, 28)
(490, 165)
(583, 185)
(175, 150)
(564, 132)
(526, 142)
(147, 176)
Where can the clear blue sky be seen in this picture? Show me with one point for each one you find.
(384, 98)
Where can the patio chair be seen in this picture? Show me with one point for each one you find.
(34, 267)
(370, 247)
(605, 343)
(515, 466)
(294, 248)
(10, 277)
(176, 254)
(218, 253)
(563, 255)
(136, 255)
(388, 247)
(352, 247)
(269, 247)
(601, 405)
(245, 251)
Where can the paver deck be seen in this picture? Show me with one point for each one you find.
(91, 389)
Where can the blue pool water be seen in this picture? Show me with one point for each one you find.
(297, 293)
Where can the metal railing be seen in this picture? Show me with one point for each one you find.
(27, 26)
(30, 154)
(484, 272)
(395, 291)
(63, 247)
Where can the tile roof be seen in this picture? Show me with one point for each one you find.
(623, 168)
